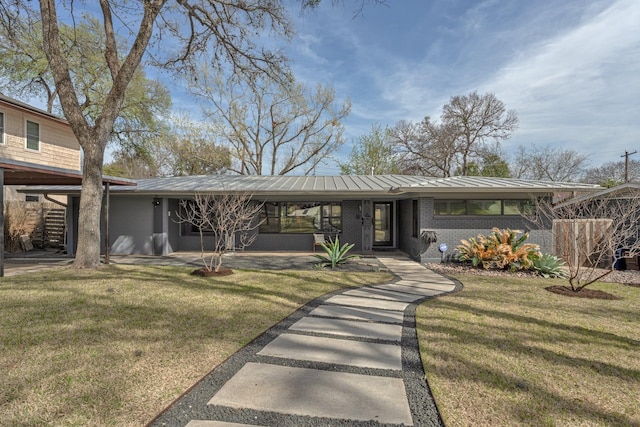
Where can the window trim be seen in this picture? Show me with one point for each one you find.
(3, 123)
(26, 135)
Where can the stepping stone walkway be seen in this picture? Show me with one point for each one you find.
(348, 359)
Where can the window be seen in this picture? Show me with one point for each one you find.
(450, 207)
(301, 217)
(519, 207)
(1, 127)
(33, 136)
(32, 198)
(483, 207)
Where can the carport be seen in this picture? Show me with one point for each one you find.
(14, 172)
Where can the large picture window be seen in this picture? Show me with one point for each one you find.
(483, 207)
(301, 217)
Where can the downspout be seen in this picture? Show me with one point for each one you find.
(57, 202)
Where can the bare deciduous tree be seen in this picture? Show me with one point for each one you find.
(610, 174)
(227, 221)
(425, 148)
(477, 119)
(549, 163)
(226, 31)
(467, 125)
(273, 128)
(592, 233)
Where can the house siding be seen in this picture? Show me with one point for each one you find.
(58, 146)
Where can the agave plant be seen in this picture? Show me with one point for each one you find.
(336, 254)
(548, 265)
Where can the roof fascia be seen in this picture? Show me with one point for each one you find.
(31, 109)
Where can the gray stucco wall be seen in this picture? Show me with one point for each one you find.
(131, 225)
(173, 226)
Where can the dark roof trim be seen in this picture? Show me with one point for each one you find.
(23, 173)
(622, 191)
(31, 109)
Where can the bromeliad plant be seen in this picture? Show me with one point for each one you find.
(336, 254)
(501, 249)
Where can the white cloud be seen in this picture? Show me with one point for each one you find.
(580, 88)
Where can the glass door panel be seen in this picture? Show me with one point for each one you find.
(383, 224)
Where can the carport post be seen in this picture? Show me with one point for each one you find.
(106, 226)
(2, 222)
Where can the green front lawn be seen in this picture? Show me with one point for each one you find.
(505, 352)
(116, 346)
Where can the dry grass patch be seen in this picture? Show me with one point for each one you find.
(504, 351)
(114, 347)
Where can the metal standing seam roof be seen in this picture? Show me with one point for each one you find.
(488, 183)
(275, 184)
(334, 185)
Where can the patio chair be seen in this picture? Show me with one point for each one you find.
(318, 240)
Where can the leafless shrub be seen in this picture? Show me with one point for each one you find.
(591, 233)
(227, 220)
(17, 222)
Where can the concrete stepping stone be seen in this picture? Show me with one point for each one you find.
(316, 393)
(350, 328)
(419, 292)
(444, 286)
(358, 313)
(335, 351)
(206, 423)
(367, 302)
(375, 292)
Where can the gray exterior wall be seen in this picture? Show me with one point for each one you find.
(451, 229)
(131, 225)
(137, 226)
(407, 243)
(351, 224)
(173, 226)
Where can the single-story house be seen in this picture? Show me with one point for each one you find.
(413, 214)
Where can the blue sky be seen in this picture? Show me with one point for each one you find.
(571, 69)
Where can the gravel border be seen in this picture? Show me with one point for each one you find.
(193, 403)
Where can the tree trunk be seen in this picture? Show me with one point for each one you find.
(89, 221)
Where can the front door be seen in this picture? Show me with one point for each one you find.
(383, 224)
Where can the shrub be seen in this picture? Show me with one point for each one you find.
(501, 249)
(17, 222)
(548, 265)
(336, 254)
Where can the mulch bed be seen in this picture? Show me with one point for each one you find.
(584, 293)
(203, 272)
(627, 278)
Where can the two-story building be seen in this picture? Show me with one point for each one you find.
(29, 134)
(32, 138)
